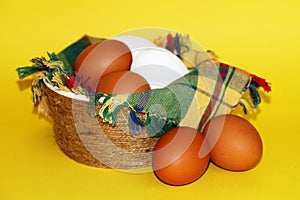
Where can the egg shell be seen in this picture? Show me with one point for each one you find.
(134, 42)
(158, 56)
(122, 82)
(235, 143)
(158, 76)
(176, 157)
(158, 66)
(102, 58)
(82, 56)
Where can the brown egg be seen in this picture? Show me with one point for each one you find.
(122, 82)
(176, 157)
(236, 145)
(100, 59)
(82, 56)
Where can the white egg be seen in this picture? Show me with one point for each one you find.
(158, 56)
(158, 76)
(134, 42)
(158, 66)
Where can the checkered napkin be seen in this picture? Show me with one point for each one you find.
(205, 92)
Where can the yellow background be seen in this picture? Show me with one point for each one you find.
(261, 37)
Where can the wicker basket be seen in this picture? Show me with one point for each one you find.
(83, 137)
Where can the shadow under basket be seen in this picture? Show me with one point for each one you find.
(86, 139)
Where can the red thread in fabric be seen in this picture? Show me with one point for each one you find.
(262, 82)
(171, 42)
